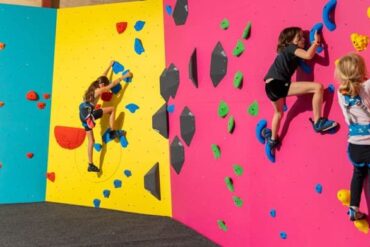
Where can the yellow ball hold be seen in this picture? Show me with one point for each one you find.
(359, 41)
(362, 225)
(368, 12)
(344, 196)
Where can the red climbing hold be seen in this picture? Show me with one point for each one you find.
(2, 104)
(29, 155)
(97, 106)
(106, 96)
(121, 27)
(1, 165)
(51, 176)
(69, 137)
(41, 105)
(32, 95)
(46, 96)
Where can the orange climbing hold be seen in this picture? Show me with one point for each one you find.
(32, 95)
(69, 137)
(51, 176)
(121, 27)
(29, 155)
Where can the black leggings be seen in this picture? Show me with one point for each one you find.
(358, 154)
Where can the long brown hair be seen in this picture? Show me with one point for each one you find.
(286, 37)
(351, 72)
(89, 95)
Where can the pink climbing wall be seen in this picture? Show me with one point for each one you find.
(200, 195)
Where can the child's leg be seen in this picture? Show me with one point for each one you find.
(358, 177)
(90, 145)
(276, 119)
(110, 110)
(316, 88)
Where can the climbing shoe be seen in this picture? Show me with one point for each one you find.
(355, 215)
(323, 124)
(92, 168)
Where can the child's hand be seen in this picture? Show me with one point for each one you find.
(317, 38)
(111, 63)
(127, 75)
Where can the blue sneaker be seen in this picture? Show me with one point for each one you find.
(355, 215)
(267, 133)
(323, 124)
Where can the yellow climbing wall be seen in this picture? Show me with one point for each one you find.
(86, 41)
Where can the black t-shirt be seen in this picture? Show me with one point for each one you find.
(284, 65)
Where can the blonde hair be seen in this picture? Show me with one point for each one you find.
(351, 72)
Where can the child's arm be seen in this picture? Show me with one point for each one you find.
(310, 53)
(105, 73)
(114, 83)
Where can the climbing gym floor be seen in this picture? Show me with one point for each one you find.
(50, 224)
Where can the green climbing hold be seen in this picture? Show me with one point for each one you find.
(225, 24)
(239, 48)
(223, 109)
(238, 169)
(247, 30)
(231, 125)
(238, 201)
(229, 183)
(216, 151)
(222, 225)
(238, 79)
(253, 109)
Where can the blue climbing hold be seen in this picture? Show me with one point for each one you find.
(260, 126)
(132, 107)
(318, 188)
(138, 46)
(117, 183)
(116, 88)
(117, 67)
(171, 108)
(283, 235)
(273, 213)
(127, 173)
(123, 141)
(326, 14)
(316, 28)
(106, 136)
(304, 66)
(331, 88)
(96, 203)
(169, 10)
(139, 25)
(106, 193)
(127, 79)
(97, 147)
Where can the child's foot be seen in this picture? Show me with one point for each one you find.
(266, 133)
(355, 214)
(113, 134)
(92, 168)
(323, 124)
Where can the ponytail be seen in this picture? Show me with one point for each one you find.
(90, 92)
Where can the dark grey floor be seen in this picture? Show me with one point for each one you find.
(49, 224)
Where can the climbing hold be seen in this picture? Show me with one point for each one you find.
(359, 41)
(171, 108)
(328, 15)
(127, 173)
(1, 165)
(97, 106)
(177, 154)
(127, 79)
(132, 107)
(2, 46)
(273, 213)
(117, 67)
(247, 30)
(169, 10)
(169, 82)
(32, 95)
(318, 188)
(51, 176)
(238, 201)
(222, 225)
(41, 105)
(116, 89)
(96, 203)
(238, 170)
(29, 155)
(187, 125)
(304, 66)
(138, 46)
(216, 151)
(152, 182)
(46, 96)
(122, 138)
(180, 13)
(160, 121)
(238, 79)
(106, 96)
(224, 24)
(239, 48)
(218, 64)
(121, 27)
(362, 225)
(368, 12)
(139, 25)
(2, 103)
(223, 109)
(331, 88)
(193, 68)
(344, 197)
(283, 235)
(69, 137)
(106, 193)
(117, 183)
(229, 183)
(253, 109)
(231, 125)
(98, 147)
(316, 28)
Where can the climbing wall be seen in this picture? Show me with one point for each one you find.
(26, 66)
(135, 174)
(222, 183)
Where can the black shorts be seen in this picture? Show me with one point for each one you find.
(359, 154)
(277, 89)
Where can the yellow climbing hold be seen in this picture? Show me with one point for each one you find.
(368, 12)
(344, 197)
(362, 225)
(359, 41)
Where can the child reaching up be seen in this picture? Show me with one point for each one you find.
(354, 99)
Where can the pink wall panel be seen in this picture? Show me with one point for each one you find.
(200, 196)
